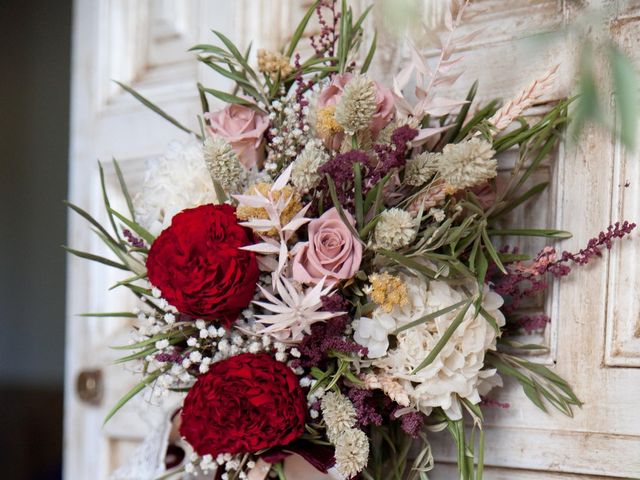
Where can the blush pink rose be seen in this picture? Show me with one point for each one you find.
(332, 251)
(243, 128)
(385, 107)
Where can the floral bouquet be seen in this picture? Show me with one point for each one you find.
(318, 268)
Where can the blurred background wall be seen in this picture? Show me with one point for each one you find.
(35, 45)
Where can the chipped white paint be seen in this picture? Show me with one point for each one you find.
(595, 335)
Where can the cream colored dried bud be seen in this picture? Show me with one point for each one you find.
(222, 163)
(389, 386)
(305, 174)
(420, 170)
(338, 413)
(357, 105)
(274, 64)
(469, 163)
(395, 229)
(352, 452)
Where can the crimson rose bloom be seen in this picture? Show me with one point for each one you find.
(243, 404)
(198, 266)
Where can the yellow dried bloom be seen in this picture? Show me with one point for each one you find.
(274, 64)
(294, 204)
(388, 291)
(326, 123)
(450, 189)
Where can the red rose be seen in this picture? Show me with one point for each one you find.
(198, 267)
(242, 405)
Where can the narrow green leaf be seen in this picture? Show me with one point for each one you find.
(241, 81)
(492, 251)
(409, 263)
(132, 393)
(109, 314)
(530, 232)
(516, 202)
(123, 187)
(430, 316)
(336, 203)
(482, 114)
(481, 265)
(445, 338)
(95, 258)
(90, 219)
(372, 50)
(297, 34)
(156, 109)
(453, 132)
(139, 230)
(229, 98)
(236, 54)
(107, 204)
(534, 395)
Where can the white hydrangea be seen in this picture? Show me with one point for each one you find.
(305, 174)
(177, 180)
(457, 369)
(373, 333)
(395, 229)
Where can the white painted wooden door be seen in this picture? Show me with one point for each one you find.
(594, 338)
(142, 43)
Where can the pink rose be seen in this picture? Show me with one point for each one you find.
(385, 107)
(243, 128)
(332, 251)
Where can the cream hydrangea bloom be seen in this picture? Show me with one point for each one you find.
(177, 180)
(457, 369)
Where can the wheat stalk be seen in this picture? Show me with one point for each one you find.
(512, 109)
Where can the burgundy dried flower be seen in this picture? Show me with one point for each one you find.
(412, 423)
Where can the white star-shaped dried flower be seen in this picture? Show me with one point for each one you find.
(292, 315)
(274, 205)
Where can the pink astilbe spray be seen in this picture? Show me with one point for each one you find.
(525, 279)
(325, 42)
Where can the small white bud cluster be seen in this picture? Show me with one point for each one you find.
(288, 133)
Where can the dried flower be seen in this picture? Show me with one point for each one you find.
(287, 196)
(292, 315)
(357, 105)
(352, 452)
(456, 370)
(387, 291)
(326, 123)
(274, 64)
(373, 333)
(468, 163)
(222, 163)
(395, 229)
(305, 174)
(420, 169)
(339, 414)
(433, 196)
(173, 182)
(390, 387)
